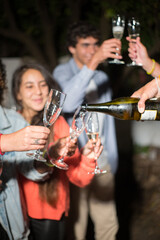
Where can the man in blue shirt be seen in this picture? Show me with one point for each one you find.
(81, 81)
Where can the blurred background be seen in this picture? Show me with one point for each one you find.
(36, 29)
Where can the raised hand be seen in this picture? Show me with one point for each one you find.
(109, 49)
(92, 148)
(63, 146)
(138, 51)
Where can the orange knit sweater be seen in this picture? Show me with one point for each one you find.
(77, 173)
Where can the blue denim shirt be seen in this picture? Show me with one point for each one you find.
(74, 83)
(11, 214)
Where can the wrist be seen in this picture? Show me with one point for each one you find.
(1, 145)
(149, 65)
(93, 64)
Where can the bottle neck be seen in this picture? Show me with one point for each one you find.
(95, 107)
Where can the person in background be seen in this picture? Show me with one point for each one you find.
(48, 202)
(81, 80)
(138, 53)
(13, 224)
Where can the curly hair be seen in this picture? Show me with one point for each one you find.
(81, 30)
(2, 80)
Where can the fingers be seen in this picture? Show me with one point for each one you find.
(98, 146)
(98, 151)
(141, 105)
(39, 129)
(110, 48)
(34, 137)
(38, 132)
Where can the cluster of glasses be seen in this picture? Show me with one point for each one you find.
(118, 26)
(80, 121)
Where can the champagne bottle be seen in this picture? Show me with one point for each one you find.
(126, 108)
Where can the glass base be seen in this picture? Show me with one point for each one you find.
(116, 61)
(36, 156)
(98, 171)
(132, 64)
(59, 164)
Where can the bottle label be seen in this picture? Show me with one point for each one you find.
(149, 115)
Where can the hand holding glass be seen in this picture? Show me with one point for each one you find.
(118, 24)
(51, 112)
(133, 32)
(79, 122)
(92, 130)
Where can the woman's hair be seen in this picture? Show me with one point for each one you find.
(17, 80)
(48, 190)
(2, 80)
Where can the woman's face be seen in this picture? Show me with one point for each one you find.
(33, 91)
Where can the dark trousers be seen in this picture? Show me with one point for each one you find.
(46, 229)
(3, 234)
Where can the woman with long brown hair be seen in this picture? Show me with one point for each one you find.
(48, 202)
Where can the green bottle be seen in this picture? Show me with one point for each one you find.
(126, 108)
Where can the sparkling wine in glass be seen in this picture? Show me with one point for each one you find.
(92, 131)
(118, 25)
(133, 32)
(52, 110)
(78, 124)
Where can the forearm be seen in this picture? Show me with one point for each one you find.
(151, 67)
(93, 64)
(75, 173)
(8, 143)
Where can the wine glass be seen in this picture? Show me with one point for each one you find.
(78, 124)
(51, 112)
(133, 32)
(92, 131)
(118, 24)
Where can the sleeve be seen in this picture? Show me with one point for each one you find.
(26, 168)
(79, 166)
(74, 86)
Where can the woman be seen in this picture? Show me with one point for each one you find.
(13, 224)
(48, 202)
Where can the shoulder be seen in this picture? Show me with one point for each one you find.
(61, 67)
(14, 115)
(12, 119)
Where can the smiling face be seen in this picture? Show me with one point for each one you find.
(33, 93)
(84, 50)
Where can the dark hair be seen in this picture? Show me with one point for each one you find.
(81, 30)
(2, 80)
(17, 79)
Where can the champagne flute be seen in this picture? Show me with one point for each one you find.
(118, 24)
(133, 32)
(92, 131)
(78, 124)
(51, 112)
